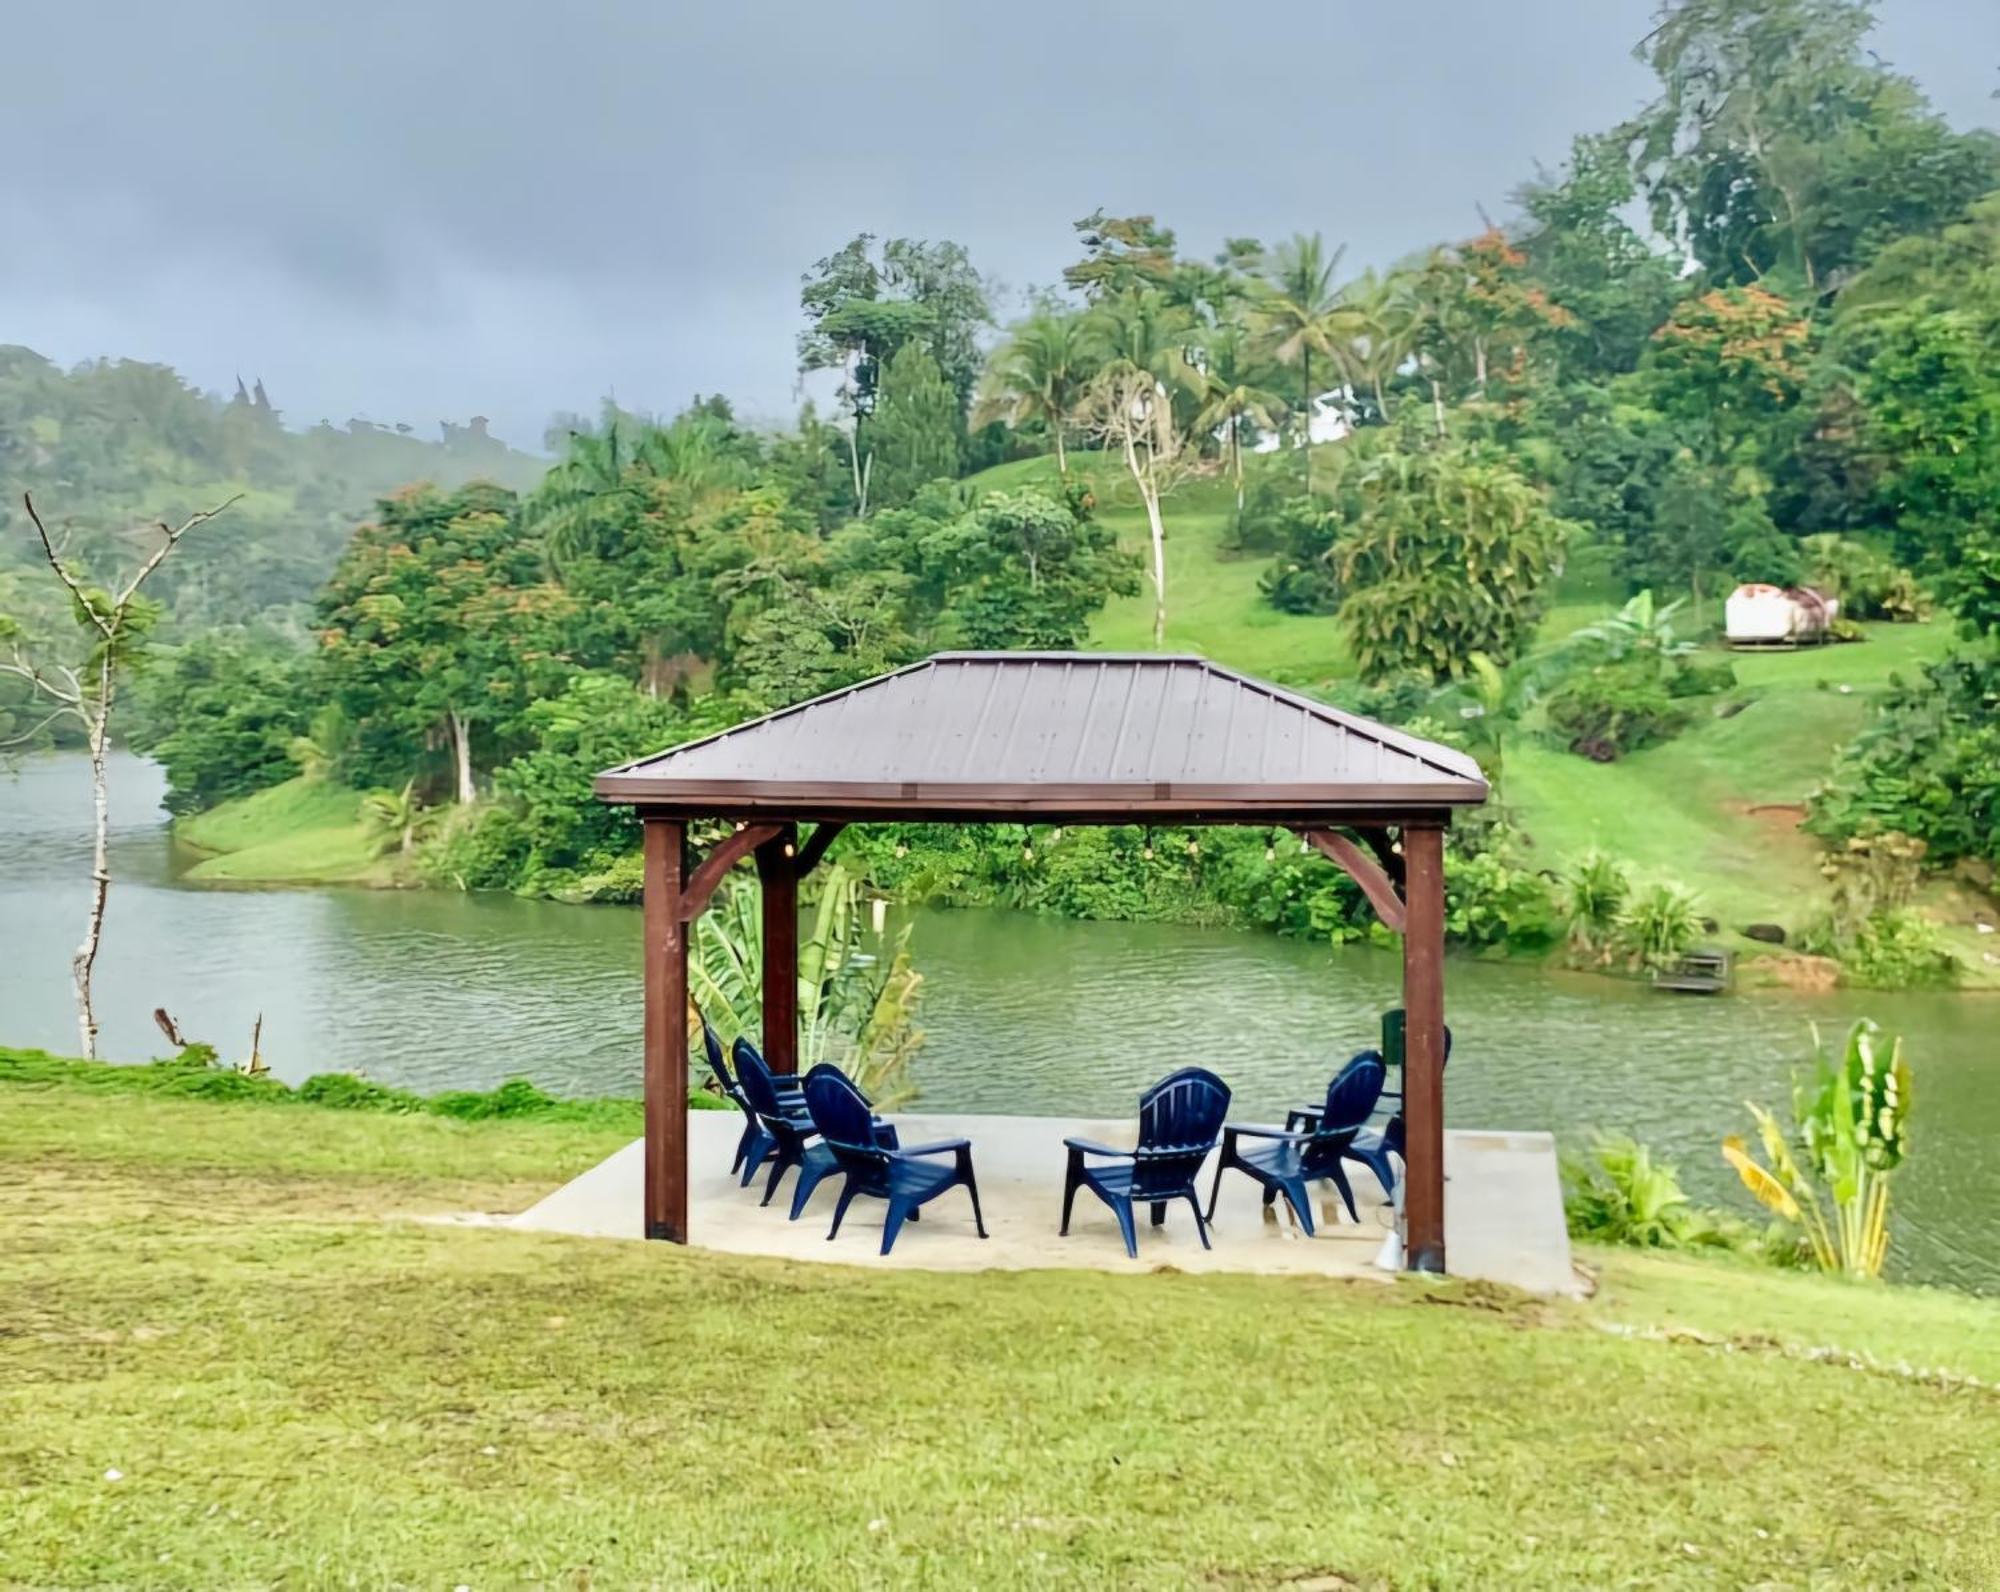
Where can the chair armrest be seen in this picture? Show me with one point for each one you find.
(1306, 1117)
(1092, 1147)
(1259, 1130)
(937, 1147)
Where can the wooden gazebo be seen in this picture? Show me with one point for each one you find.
(1055, 738)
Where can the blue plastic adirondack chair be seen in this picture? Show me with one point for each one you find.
(1284, 1161)
(755, 1143)
(1180, 1118)
(906, 1177)
(781, 1115)
(1372, 1147)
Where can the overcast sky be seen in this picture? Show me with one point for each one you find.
(417, 210)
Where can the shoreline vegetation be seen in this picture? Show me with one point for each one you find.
(227, 1323)
(1717, 809)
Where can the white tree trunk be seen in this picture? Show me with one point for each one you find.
(461, 748)
(1062, 458)
(1149, 494)
(84, 962)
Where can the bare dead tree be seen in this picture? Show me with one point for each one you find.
(116, 624)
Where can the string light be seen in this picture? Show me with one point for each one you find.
(1055, 834)
(1194, 847)
(901, 849)
(1146, 851)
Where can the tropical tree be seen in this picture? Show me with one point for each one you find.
(913, 435)
(1382, 330)
(1302, 314)
(1232, 402)
(396, 818)
(438, 627)
(1039, 375)
(1451, 554)
(114, 623)
(1130, 409)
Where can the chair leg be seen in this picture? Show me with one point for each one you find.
(1346, 1193)
(1159, 1213)
(1123, 1210)
(1069, 1201)
(778, 1170)
(1200, 1225)
(1215, 1192)
(840, 1210)
(809, 1180)
(978, 1221)
(892, 1224)
(1301, 1204)
(742, 1149)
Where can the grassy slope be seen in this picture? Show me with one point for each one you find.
(1212, 602)
(219, 1304)
(1679, 811)
(301, 832)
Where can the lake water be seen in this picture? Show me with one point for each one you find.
(435, 990)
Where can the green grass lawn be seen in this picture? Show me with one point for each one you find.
(301, 832)
(1684, 810)
(233, 1357)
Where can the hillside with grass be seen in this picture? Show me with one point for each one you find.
(248, 1341)
(1716, 808)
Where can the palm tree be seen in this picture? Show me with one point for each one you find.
(1231, 400)
(396, 818)
(1388, 322)
(1303, 315)
(1040, 373)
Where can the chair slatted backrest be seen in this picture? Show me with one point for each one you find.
(1350, 1101)
(756, 1080)
(1180, 1121)
(846, 1123)
(712, 1048)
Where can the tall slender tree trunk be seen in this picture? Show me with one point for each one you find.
(1236, 459)
(1306, 364)
(461, 751)
(1381, 398)
(1437, 406)
(1062, 457)
(1149, 494)
(84, 962)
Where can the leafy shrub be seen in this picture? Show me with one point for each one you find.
(1895, 948)
(1618, 1194)
(1928, 765)
(1490, 901)
(347, 1091)
(1658, 924)
(1609, 709)
(1594, 894)
(1868, 584)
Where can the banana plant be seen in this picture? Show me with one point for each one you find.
(856, 1007)
(1830, 1176)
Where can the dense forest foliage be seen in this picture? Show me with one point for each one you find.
(1751, 335)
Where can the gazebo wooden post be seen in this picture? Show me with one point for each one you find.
(1423, 1048)
(778, 872)
(666, 981)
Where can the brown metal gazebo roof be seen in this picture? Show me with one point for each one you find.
(1117, 735)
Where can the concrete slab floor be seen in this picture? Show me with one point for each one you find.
(1503, 1210)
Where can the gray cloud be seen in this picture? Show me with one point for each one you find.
(412, 211)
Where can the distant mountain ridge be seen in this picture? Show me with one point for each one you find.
(112, 444)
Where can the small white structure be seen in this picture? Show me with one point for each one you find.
(1775, 616)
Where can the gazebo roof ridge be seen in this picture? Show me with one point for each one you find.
(1122, 732)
